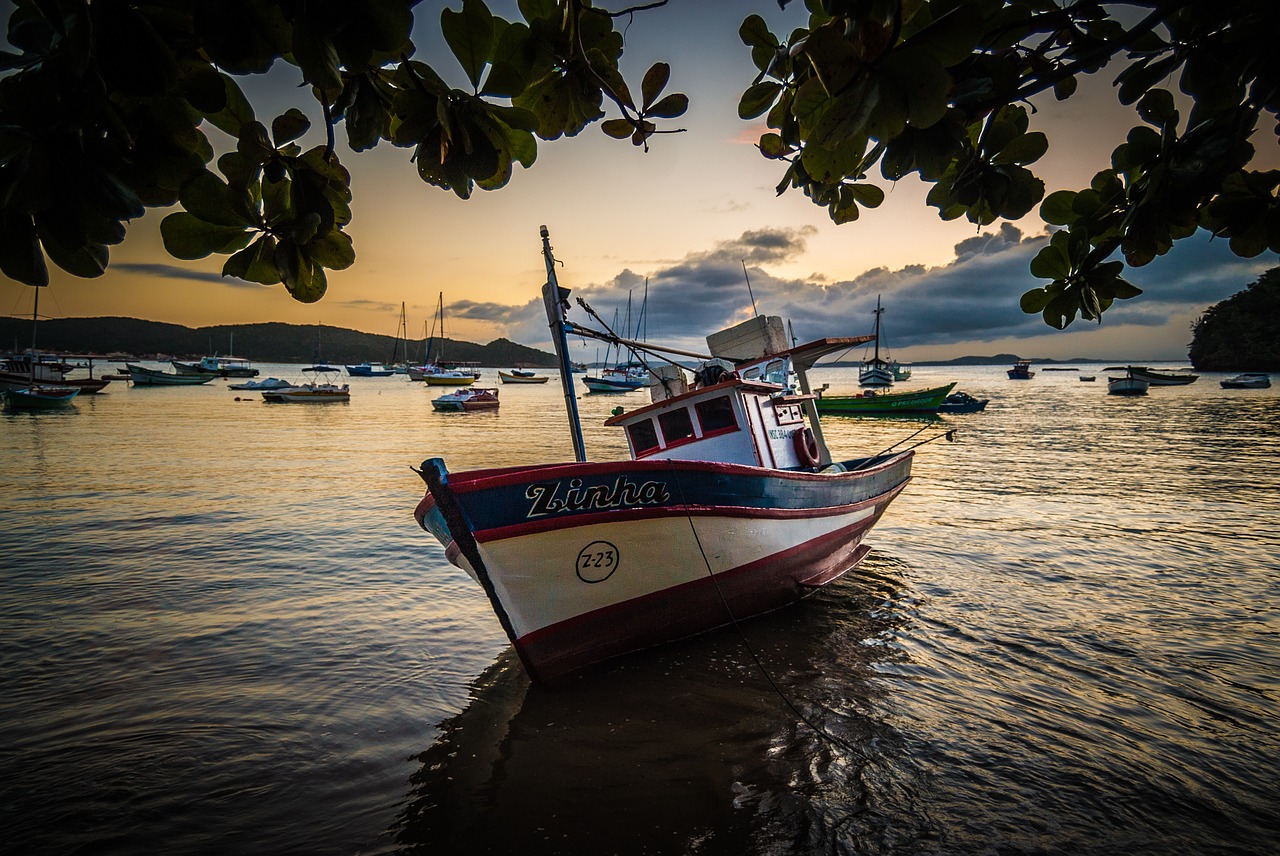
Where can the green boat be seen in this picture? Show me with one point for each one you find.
(871, 401)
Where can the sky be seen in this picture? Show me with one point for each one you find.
(679, 222)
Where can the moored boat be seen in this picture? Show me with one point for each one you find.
(1248, 380)
(217, 367)
(143, 376)
(521, 376)
(17, 371)
(878, 372)
(1021, 370)
(620, 378)
(468, 399)
(729, 506)
(875, 401)
(39, 397)
(259, 385)
(313, 391)
(1128, 384)
(962, 402)
(1154, 377)
(367, 369)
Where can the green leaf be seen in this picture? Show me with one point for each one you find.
(757, 99)
(867, 195)
(208, 198)
(236, 112)
(754, 32)
(655, 80)
(670, 107)
(1026, 149)
(1034, 301)
(1057, 209)
(333, 250)
(1050, 263)
(470, 35)
(255, 263)
(288, 126)
(188, 237)
(20, 256)
(619, 129)
(316, 55)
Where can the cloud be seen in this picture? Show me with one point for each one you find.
(175, 272)
(968, 302)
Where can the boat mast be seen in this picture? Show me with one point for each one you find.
(35, 323)
(876, 361)
(555, 299)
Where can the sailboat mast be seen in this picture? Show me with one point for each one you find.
(555, 299)
(35, 323)
(878, 311)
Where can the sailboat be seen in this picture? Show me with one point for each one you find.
(38, 396)
(877, 371)
(399, 362)
(625, 376)
(435, 372)
(316, 387)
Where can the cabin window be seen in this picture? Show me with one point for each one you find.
(776, 372)
(643, 436)
(676, 425)
(716, 414)
(752, 373)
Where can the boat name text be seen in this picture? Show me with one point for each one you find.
(555, 497)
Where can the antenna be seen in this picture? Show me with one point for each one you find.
(754, 311)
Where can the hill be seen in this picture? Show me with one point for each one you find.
(265, 343)
(1241, 333)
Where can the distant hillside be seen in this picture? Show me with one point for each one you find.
(1242, 333)
(265, 343)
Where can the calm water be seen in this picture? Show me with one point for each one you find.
(221, 631)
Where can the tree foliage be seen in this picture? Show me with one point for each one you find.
(105, 108)
(106, 105)
(1242, 333)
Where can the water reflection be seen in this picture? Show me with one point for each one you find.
(685, 748)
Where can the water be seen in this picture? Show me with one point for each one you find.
(221, 631)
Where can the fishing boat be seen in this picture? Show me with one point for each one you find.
(468, 399)
(21, 370)
(522, 376)
(962, 402)
(218, 366)
(143, 376)
(1021, 371)
(877, 372)
(730, 505)
(1156, 378)
(875, 401)
(315, 390)
(1127, 384)
(367, 369)
(900, 372)
(621, 378)
(1248, 380)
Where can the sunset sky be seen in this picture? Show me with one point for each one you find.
(685, 216)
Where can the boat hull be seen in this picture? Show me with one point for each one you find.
(298, 395)
(1156, 378)
(598, 384)
(1126, 386)
(585, 562)
(199, 370)
(1247, 381)
(141, 376)
(40, 397)
(923, 401)
(507, 377)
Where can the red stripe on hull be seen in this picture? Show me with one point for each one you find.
(558, 651)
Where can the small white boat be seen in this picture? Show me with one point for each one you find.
(1127, 385)
(367, 369)
(1248, 380)
(217, 367)
(143, 376)
(311, 392)
(1157, 378)
(521, 376)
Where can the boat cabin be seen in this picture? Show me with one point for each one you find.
(756, 410)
